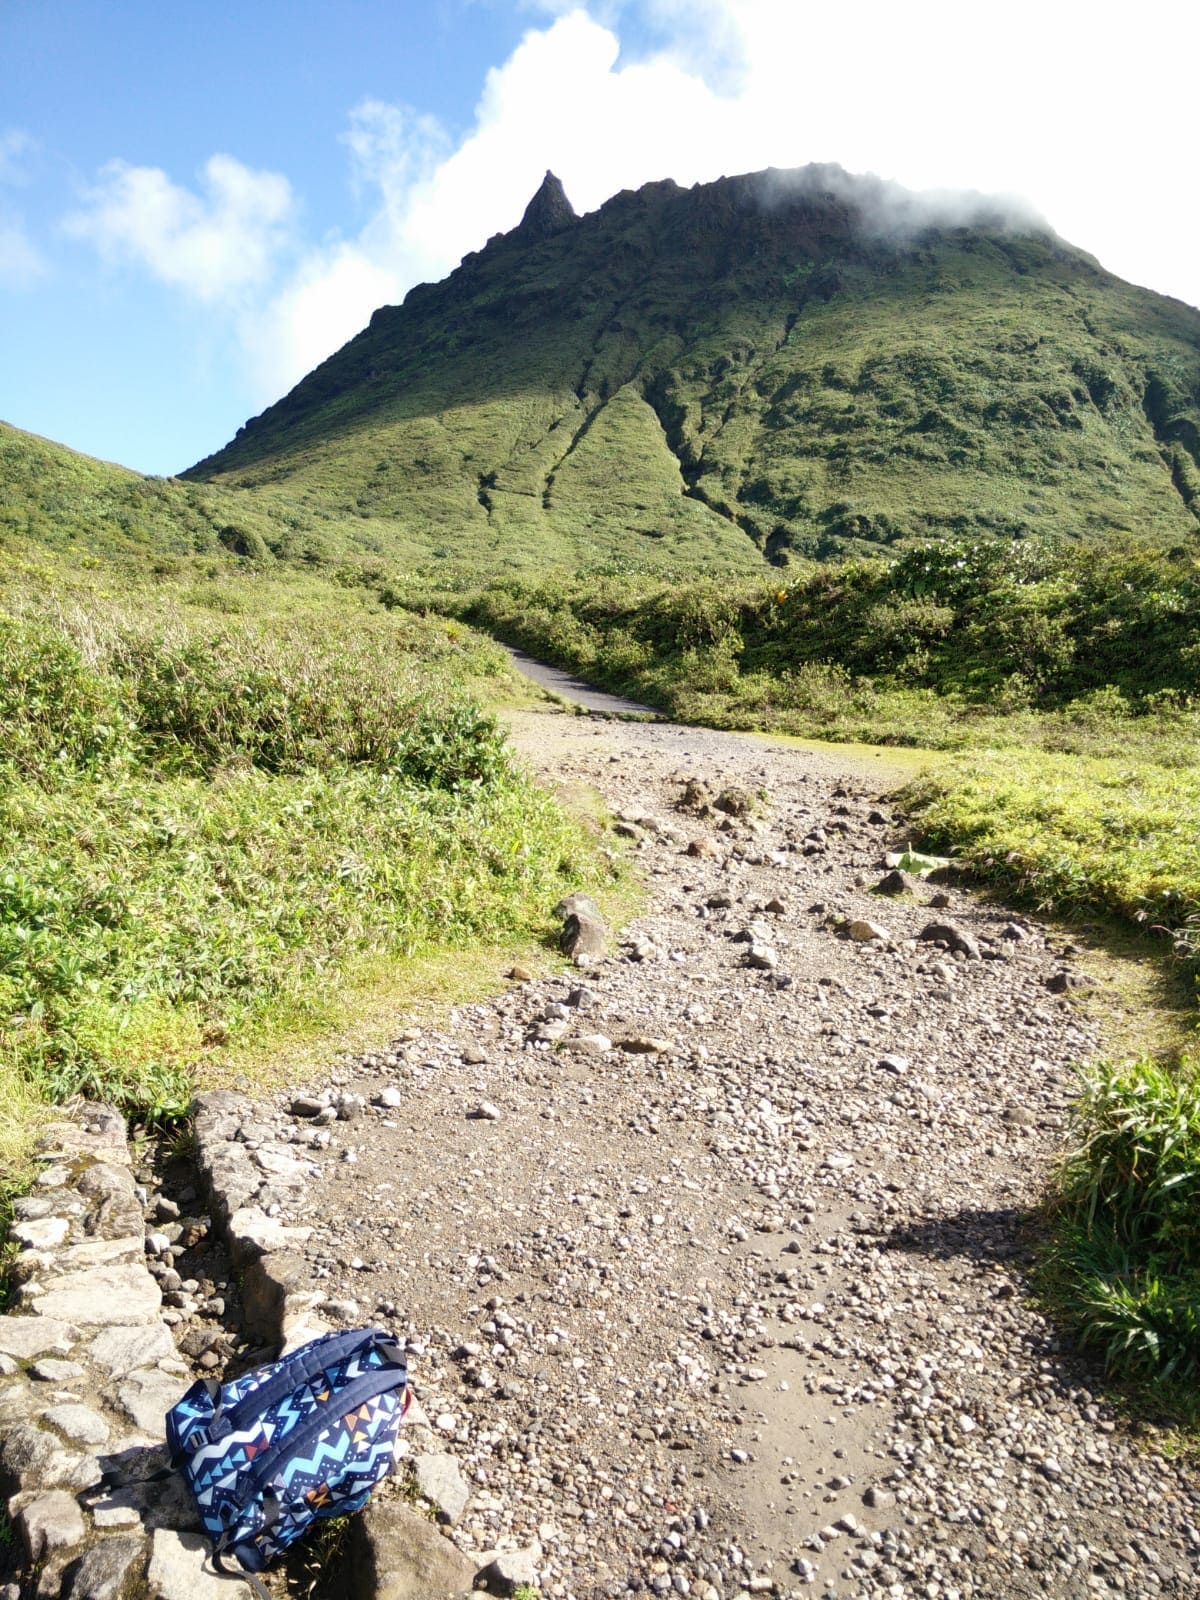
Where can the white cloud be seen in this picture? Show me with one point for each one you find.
(21, 262)
(1090, 124)
(215, 246)
(15, 144)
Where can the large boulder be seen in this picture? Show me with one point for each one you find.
(397, 1554)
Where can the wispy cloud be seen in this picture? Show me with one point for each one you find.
(215, 245)
(21, 262)
(15, 145)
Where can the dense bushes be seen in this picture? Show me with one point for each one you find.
(211, 827)
(966, 619)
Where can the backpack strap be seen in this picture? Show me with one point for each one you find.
(304, 1364)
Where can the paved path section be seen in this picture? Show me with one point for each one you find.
(568, 687)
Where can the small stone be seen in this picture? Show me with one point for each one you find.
(951, 934)
(78, 1423)
(898, 1065)
(390, 1098)
(762, 956)
(587, 1044)
(307, 1105)
(485, 1111)
(441, 1482)
(49, 1370)
(510, 1570)
(878, 1498)
(896, 882)
(51, 1522)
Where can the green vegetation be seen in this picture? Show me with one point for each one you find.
(215, 826)
(1124, 1264)
(1066, 684)
(708, 379)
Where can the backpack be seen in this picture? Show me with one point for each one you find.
(309, 1436)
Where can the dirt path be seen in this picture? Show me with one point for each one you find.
(738, 1305)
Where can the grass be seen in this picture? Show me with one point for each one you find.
(1123, 1263)
(1028, 665)
(220, 828)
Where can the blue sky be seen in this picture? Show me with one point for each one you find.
(198, 203)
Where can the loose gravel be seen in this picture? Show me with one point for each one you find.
(711, 1254)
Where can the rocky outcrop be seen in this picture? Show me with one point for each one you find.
(548, 212)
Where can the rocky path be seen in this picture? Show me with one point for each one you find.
(711, 1255)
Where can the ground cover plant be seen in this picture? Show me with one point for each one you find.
(215, 821)
(1124, 1262)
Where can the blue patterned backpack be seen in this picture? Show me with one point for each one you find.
(309, 1436)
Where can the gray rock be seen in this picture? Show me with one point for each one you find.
(51, 1522)
(252, 1233)
(443, 1485)
(147, 1396)
(51, 1370)
(307, 1105)
(125, 1349)
(397, 1554)
(1064, 981)
(179, 1570)
(102, 1297)
(106, 1572)
(896, 882)
(957, 938)
(42, 1234)
(25, 1337)
(582, 935)
(588, 1044)
(79, 1423)
(390, 1098)
(577, 905)
(30, 1458)
(510, 1570)
(485, 1111)
(763, 956)
(265, 1287)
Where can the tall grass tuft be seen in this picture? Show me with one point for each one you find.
(1126, 1215)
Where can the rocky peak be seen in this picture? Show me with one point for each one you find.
(549, 211)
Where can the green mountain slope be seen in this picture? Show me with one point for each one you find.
(777, 363)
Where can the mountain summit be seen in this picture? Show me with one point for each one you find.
(549, 211)
(783, 363)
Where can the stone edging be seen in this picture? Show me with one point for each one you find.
(395, 1552)
(88, 1370)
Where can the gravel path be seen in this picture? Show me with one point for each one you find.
(738, 1304)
